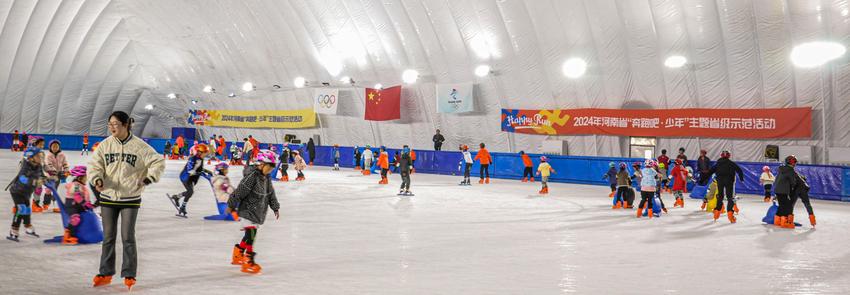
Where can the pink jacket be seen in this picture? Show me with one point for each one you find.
(78, 192)
(55, 165)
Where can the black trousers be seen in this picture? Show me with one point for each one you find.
(528, 173)
(466, 168)
(767, 189)
(727, 190)
(189, 184)
(405, 180)
(484, 171)
(438, 146)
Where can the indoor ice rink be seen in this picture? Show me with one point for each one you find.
(425, 146)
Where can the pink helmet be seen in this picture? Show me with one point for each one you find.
(221, 166)
(650, 163)
(543, 159)
(765, 168)
(267, 156)
(78, 171)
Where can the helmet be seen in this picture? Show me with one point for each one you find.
(543, 159)
(636, 164)
(791, 160)
(611, 164)
(221, 166)
(368, 146)
(31, 152)
(765, 168)
(336, 145)
(78, 171)
(650, 163)
(725, 154)
(662, 165)
(266, 156)
(465, 147)
(703, 152)
(622, 165)
(678, 161)
(202, 148)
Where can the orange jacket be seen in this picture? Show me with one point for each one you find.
(527, 160)
(86, 138)
(179, 142)
(483, 156)
(384, 160)
(412, 155)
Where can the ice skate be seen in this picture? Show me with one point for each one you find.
(13, 236)
(238, 255)
(649, 212)
(716, 214)
(615, 206)
(812, 220)
(481, 181)
(250, 266)
(129, 282)
(639, 212)
(100, 280)
(525, 179)
(531, 179)
(731, 216)
(31, 231)
(487, 180)
(67, 239)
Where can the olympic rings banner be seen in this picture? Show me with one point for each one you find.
(292, 119)
(711, 123)
(325, 100)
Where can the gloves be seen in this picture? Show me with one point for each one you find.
(88, 205)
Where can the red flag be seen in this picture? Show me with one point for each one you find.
(383, 105)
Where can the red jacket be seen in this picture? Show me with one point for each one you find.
(681, 177)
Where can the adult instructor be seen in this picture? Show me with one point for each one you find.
(120, 169)
(438, 141)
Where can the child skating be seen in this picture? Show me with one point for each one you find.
(623, 183)
(484, 159)
(222, 189)
(680, 183)
(300, 165)
(77, 201)
(336, 157)
(367, 160)
(56, 167)
(611, 176)
(251, 200)
(190, 175)
(283, 161)
(544, 170)
(23, 185)
(648, 187)
(405, 164)
(467, 164)
(766, 180)
(528, 171)
(384, 163)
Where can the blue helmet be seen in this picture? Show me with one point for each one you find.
(611, 164)
(31, 152)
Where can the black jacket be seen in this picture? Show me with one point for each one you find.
(25, 183)
(311, 147)
(704, 164)
(404, 162)
(786, 180)
(254, 196)
(726, 170)
(438, 138)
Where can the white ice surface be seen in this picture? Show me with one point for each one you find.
(342, 233)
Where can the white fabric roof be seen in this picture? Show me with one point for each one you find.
(67, 64)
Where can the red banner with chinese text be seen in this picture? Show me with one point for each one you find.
(711, 123)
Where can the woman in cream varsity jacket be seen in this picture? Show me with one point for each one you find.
(120, 169)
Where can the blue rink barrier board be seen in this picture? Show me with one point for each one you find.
(827, 182)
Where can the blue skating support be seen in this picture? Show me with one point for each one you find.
(699, 192)
(89, 231)
(221, 206)
(771, 212)
(656, 208)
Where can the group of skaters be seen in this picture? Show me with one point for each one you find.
(654, 177)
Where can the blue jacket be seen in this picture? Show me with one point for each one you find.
(648, 179)
(612, 176)
(194, 167)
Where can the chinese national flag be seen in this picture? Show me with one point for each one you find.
(383, 105)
